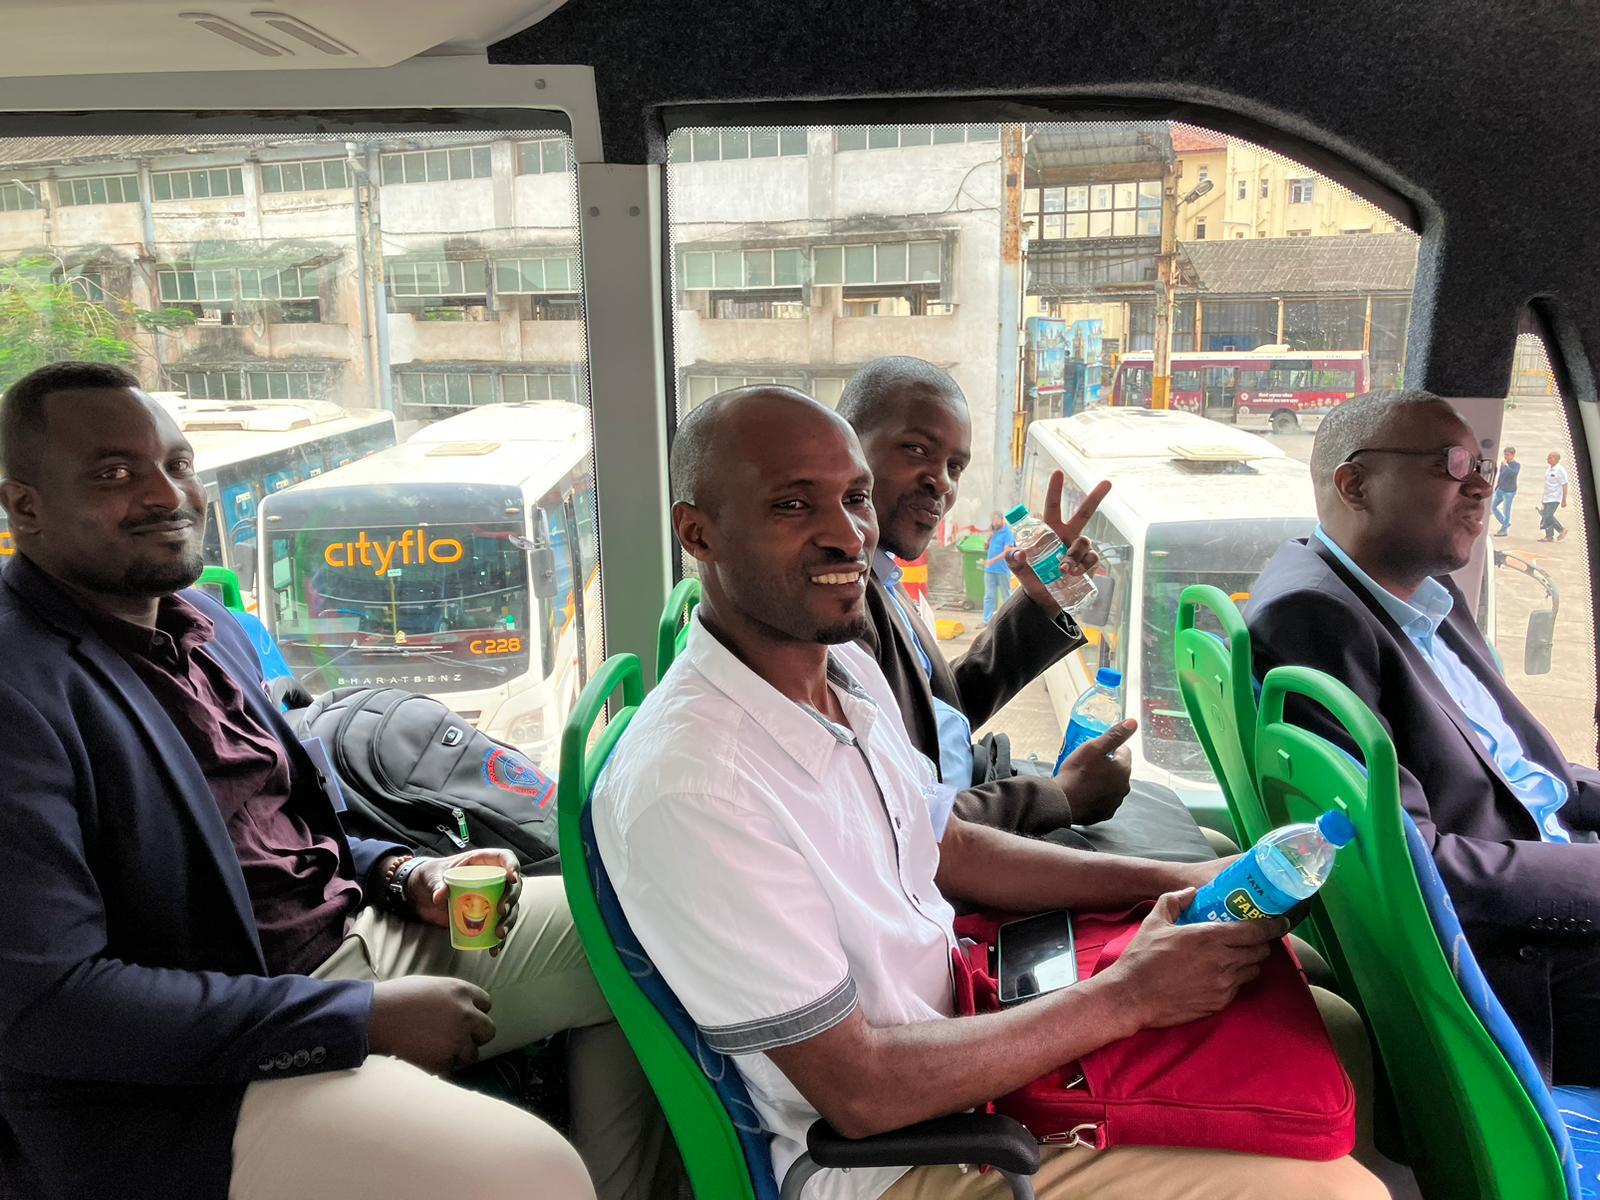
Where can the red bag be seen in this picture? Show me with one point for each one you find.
(1260, 1077)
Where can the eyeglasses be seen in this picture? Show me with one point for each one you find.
(1458, 461)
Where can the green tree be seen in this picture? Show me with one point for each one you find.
(44, 318)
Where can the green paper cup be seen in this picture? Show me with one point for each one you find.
(475, 894)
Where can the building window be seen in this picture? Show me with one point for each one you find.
(436, 166)
(887, 262)
(88, 283)
(196, 185)
(1300, 191)
(548, 156)
(1200, 230)
(1356, 229)
(1296, 232)
(1097, 210)
(98, 189)
(533, 276)
(411, 277)
(733, 270)
(714, 145)
(890, 137)
(285, 283)
(247, 384)
(699, 388)
(1205, 174)
(1243, 187)
(318, 174)
(539, 385)
(1266, 188)
(205, 286)
(446, 389)
(18, 197)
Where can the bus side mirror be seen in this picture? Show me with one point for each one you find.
(1097, 614)
(1541, 639)
(542, 562)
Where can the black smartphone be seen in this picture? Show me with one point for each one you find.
(1036, 955)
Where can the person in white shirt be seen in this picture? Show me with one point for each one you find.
(1555, 495)
(787, 857)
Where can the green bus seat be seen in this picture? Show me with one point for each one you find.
(226, 582)
(1219, 694)
(1470, 1126)
(724, 1148)
(674, 628)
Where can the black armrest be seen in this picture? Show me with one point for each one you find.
(983, 1139)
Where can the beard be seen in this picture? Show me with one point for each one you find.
(162, 578)
(848, 631)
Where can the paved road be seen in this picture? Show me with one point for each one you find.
(1564, 698)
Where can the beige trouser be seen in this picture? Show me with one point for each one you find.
(390, 1129)
(1167, 1173)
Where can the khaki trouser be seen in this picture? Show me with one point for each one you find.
(386, 1122)
(1168, 1173)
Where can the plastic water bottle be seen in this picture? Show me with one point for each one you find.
(1048, 558)
(1285, 867)
(1094, 712)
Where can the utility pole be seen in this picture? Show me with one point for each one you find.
(1166, 270)
(1009, 419)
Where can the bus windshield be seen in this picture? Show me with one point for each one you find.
(436, 607)
(1225, 554)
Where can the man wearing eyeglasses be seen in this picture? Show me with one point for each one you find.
(1402, 496)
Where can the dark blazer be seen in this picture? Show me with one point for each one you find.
(1513, 892)
(135, 1004)
(1019, 643)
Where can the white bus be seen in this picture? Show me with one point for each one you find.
(1191, 501)
(462, 563)
(245, 450)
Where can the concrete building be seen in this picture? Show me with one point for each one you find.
(423, 273)
(1258, 194)
(800, 254)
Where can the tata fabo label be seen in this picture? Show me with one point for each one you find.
(413, 548)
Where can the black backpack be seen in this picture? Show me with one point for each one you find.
(415, 772)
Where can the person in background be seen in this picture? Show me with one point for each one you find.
(1505, 490)
(1401, 498)
(996, 570)
(1555, 496)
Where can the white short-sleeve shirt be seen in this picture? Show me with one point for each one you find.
(779, 869)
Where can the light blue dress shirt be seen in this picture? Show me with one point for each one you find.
(955, 731)
(1539, 791)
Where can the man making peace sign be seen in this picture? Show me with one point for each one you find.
(911, 418)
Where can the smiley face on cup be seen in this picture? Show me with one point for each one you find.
(475, 894)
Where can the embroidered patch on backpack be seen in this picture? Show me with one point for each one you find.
(511, 772)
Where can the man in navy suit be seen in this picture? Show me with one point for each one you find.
(1402, 491)
(206, 988)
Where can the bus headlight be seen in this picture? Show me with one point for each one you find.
(527, 729)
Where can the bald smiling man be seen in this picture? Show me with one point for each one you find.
(779, 847)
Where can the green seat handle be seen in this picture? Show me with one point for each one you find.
(1374, 743)
(1202, 595)
(680, 602)
(228, 582)
(620, 670)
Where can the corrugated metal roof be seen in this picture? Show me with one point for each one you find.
(1064, 144)
(1373, 262)
(1189, 138)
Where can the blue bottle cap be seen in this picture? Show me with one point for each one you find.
(1336, 827)
(1106, 677)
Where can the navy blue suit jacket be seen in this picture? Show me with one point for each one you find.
(1515, 894)
(135, 1004)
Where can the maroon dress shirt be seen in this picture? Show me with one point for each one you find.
(299, 896)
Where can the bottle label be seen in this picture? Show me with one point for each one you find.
(1240, 893)
(1048, 567)
(1079, 731)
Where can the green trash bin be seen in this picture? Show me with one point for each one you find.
(974, 549)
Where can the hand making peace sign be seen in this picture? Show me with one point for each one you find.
(1081, 554)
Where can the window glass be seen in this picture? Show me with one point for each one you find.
(428, 333)
(1090, 201)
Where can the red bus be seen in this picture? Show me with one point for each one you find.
(1267, 387)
